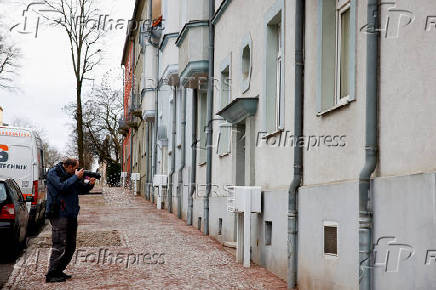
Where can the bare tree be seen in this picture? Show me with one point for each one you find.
(101, 113)
(9, 57)
(75, 17)
(71, 147)
(51, 155)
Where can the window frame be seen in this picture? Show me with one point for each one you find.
(279, 77)
(274, 19)
(245, 81)
(201, 127)
(226, 65)
(341, 6)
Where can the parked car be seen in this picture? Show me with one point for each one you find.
(22, 159)
(13, 217)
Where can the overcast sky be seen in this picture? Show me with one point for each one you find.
(46, 80)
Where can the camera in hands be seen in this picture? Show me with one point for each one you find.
(90, 174)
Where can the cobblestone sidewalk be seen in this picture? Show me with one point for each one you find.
(124, 242)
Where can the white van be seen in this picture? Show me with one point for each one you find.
(21, 158)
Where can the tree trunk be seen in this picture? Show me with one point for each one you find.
(79, 121)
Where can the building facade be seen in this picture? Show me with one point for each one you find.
(325, 105)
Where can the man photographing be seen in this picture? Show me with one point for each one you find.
(64, 183)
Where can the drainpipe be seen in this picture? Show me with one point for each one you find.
(194, 157)
(365, 208)
(180, 186)
(298, 150)
(173, 153)
(209, 129)
(156, 118)
(156, 100)
(132, 130)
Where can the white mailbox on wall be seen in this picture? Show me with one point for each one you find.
(123, 178)
(244, 200)
(135, 177)
(159, 181)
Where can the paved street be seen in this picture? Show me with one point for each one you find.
(124, 242)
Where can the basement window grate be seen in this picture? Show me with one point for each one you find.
(268, 233)
(331, 240)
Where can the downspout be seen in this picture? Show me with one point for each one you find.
(180, 186)
(365, 208)
(209, 129)
(298, 150)
(131, 130)
(173, 153)
(194, 157)
(156, 117)
(156, 101)
(150, 174)
(123, 165)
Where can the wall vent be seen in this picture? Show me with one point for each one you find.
(330, 240)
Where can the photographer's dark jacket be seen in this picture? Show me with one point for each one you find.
(63, 190)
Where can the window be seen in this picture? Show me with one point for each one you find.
(246, 60)
(226, 92)
(279, 79)
(336, 55)
(202, 124)
(274, 70)
(225, 129)
(179, 107)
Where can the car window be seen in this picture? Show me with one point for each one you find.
(18, 191)
(12, 191)
(3, 194)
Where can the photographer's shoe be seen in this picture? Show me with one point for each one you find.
(54, 279)
(66, 276)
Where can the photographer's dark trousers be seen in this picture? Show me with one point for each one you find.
(64, 235)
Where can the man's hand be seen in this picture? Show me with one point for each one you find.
(79, 173)
(92, 181)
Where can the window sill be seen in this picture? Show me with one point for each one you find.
(201, 164)
(342, 104)
(273, 134)
(224, 154)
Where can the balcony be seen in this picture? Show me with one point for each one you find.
(123, 128)
(135, 106)
(133, 122)
(193, 44)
